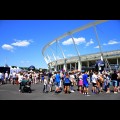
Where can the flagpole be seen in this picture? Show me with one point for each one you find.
(98, 43)
(100, 47)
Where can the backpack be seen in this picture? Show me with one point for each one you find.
(67, 80)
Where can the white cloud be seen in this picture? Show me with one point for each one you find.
(96, 47)
(90, 42)
(105, 44)
(21, 43)
(77, 41)
(7, 47)
(111, 42)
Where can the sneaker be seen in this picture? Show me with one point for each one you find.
(19, 90)
(71, 91)
(115, 92)
(108, 92)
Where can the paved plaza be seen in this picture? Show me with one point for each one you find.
(11, 92)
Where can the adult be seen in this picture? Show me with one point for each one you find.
(114, 81)
(57, 82)
(67, 84)
(85, 83)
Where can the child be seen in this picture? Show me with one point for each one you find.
(80, 85)
(51, 83)
(45, 85)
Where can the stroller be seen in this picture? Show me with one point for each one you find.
(26, 87)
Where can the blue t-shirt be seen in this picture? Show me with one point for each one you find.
(57, 78)
(85, 76)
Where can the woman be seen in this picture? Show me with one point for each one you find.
(67, 84)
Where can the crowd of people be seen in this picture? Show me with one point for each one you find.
(66, 82)
(100, 81)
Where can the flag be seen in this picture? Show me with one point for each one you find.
(101, 58)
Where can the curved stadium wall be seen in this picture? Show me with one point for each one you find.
(77, 62)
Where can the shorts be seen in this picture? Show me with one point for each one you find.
(101, 84)
(94, 84)
(57, 84)
(66, 84)
(114, 83)
(85, 85)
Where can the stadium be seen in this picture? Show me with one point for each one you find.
(56, 59)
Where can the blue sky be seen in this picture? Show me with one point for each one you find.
(22, 41)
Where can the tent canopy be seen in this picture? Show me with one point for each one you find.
(31, 67)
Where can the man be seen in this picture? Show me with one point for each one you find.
(85, 83)
(57, 81)
(114, 81)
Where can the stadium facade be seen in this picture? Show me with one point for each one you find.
(87, 61)
(79, 62)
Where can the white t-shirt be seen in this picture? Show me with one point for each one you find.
(45, 82)
(72, 76)
(51, 80)
(20, 77)
(14, 74)
(0, 75)
(94, 78)
(6, 75)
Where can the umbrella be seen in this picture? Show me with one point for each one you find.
(31, 67)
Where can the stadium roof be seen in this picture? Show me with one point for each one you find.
(89, 57)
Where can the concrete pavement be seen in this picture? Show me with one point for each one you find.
(11, 92)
